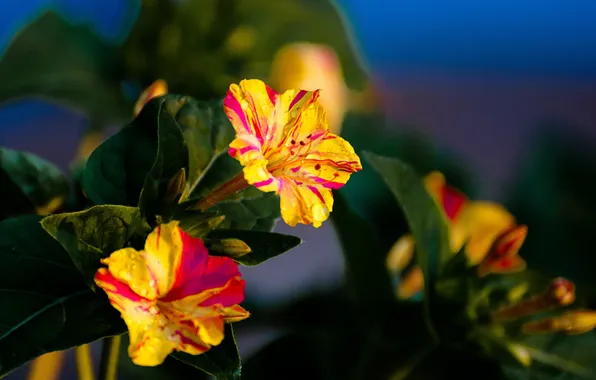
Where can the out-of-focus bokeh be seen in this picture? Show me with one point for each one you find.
(499, 95)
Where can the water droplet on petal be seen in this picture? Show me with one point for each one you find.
(320, 212)
(244, 104)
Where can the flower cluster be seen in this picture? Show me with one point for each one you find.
(174, 296)
(486, 232)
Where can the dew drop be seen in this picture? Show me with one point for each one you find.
(244, 104)
(320, 212)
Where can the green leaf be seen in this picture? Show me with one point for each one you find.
(426, 223)
(46, 306)
(250, 209)
(171, 157)
(30, 185)
(54, 59)
(116, 171)
(207, 132)
(93, 234)
(263, 245)
(222, 361)
(365, 261)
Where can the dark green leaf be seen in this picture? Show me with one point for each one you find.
(116, 171)
(207, 132)
(93, 234)
(263, 245)
(29, 184)
(46, 305)
(171, 157)
(426, 223)
(365, 262)
(221, 361)
(53, 59)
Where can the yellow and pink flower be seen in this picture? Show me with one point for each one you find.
(172, 295)
(284, 143)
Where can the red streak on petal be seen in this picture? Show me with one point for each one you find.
(297, 98)
(232, 104)
(247, 149)
(294, 170)
(316, 192)
(453, 200)
(263, 183)
(272, 94)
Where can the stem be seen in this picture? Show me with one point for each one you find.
(84, 363)
(222, 192)
(108, 367)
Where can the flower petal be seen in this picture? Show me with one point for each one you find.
(329, 165)
(401, 254)
(235, 313)
(128, 266)
(307, 204)
(250, 107)
(450, 199)
(150, 344)
(482, 223)
(163, 255)
(198, 272)
(211, 330)
(257, 174)
(157, 88)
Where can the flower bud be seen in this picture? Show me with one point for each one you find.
(175, 186)
(573, 322)
(561, 292)
(503, 256)
(230, 247)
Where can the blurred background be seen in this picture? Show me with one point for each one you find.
(500, 95)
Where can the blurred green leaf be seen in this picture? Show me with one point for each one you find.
(54, 59)
(46, 306)
(426, 222)
(553, 193)
(29, 184)
(95, 233)
(365, 262)
(221, 361)
(561, 355)
(263, 245)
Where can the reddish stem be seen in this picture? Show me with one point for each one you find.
(233, 186)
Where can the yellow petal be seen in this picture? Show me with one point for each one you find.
(129, 267)
(401, 254)
(304, 204)
(157, 88)
(162, 255)
(211, 330)
(482, 222)
(411, 284)
(149, 344)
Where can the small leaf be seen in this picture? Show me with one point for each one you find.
(365, 261)
(93, 234)
(222, 361)
(263, 245)
(426, 223)
(54, 59)
(46, 306)
(29, 184)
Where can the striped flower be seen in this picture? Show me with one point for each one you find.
(284, 143)
(172, 295)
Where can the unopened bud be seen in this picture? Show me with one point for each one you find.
(175, 186)
(401, 254)
(573, 322)
(411, 284)
(560, 293)
(230, 247)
